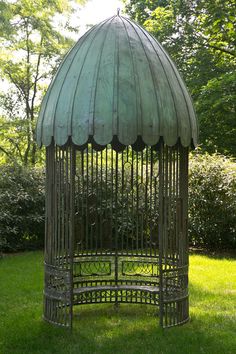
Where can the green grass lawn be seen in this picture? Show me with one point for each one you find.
(133, 329)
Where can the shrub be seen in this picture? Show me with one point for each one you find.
(212, 201)
(212, 205)
(21, 208)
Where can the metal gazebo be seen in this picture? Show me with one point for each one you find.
(117, 123)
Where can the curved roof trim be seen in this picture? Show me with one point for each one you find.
(117, 81)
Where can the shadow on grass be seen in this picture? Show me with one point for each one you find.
(101, 329)
(131, 329)
(218, 255)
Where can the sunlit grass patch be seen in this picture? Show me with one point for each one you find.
(129, 329)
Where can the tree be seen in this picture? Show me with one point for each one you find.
(216, 106)
(32, 42)
(200, 37)
(140, 10)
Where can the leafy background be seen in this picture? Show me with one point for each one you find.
(200, 37)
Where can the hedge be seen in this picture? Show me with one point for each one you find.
(212, 205)
(212, 201)
(21, 208)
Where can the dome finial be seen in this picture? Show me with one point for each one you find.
(118, 11)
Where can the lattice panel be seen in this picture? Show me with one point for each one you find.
(115, 296)
(175, 285)
(138, 268)
(92, 268)
(57, 295)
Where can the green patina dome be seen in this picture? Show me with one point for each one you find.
(117, 82)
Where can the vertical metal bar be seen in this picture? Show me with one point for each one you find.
(97, 197)
(91, 225)
(52, 212)
(106, 199)
(67, 201)
(141, 211)
(86, 199)
(156, 195)
(141, 167)
(56, 206)
(179, 216)
(174, 201)
(150, 215)
(47, 187)
(122, 202)
(48, 225)
(170, 207)
(63, 210)
(132, 207)
(49, 209)
(51, 206)
(101, 200)
(55, 203)
(72, 227)
(116, 221)
(160, 232)
(137, 205)
(106, 181)
(165, 215)
(112, 199)
(177, 172)
(177, 201)
(83, 211)
(146, 202)
(77, 200)
(59, 202)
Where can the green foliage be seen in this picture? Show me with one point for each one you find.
(13, 136)
(216, 109)
(33, 41)
(212, 202)
(140, 10)
(200, 37)
(113, 207)
(5, 16)
(21, 208)
(212, 206)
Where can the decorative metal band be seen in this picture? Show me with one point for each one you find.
(118, 294)
(92, 269)
(140, 269)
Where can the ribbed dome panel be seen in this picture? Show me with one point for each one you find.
(117, 81)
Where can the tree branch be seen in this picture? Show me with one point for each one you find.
(16, 84)
(224, 50)
(17, 147)
(200, 35)
(35, 81)
(27, 70)
(5, 152)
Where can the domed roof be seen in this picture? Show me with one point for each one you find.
(117, 82)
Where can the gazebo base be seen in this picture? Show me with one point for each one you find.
(173, 312)
(172, 301)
